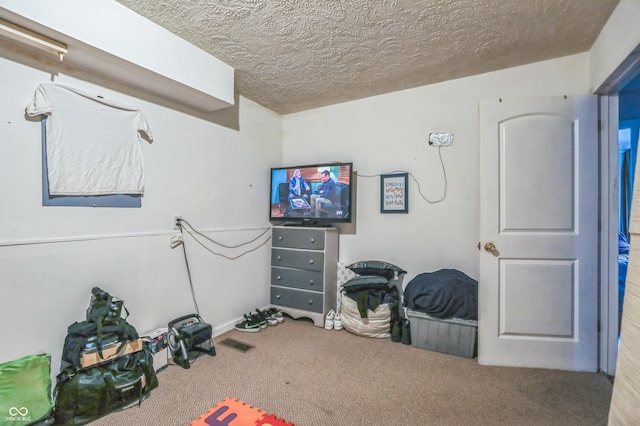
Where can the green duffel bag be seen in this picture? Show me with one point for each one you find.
(87, 394)
(25, 391)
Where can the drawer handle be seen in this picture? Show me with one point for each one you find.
(278, 278)
(313, 240)
(312, 282)
(311, 302)
(277, 296)
(279, 257)
(280, 238)
(311, 262)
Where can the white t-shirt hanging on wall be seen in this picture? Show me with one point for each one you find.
(93, 144)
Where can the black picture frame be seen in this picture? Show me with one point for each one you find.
(394, 193)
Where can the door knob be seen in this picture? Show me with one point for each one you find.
(489, 247)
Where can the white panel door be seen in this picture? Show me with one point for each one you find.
(537, 293)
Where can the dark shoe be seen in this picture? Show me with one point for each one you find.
(260, 317)
(249, 325)
(406, 332)
(396, 331)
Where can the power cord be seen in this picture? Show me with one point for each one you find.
(186, 262)
(191, 231)
(220, 244)
(444, 173)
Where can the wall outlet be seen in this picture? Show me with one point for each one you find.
(176, 218)
(441, 139)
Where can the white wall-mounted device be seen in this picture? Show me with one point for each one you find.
(441, 139)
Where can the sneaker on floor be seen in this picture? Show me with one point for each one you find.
(328, 323)
(337, 322)
(253, 319)
(248, 325)
(259, 316)
(276, 314)
(272, 321)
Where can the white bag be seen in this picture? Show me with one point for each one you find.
(378, 323)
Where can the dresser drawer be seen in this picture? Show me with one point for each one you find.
(297, 278)
(299, 299)
(311, 239)
(297, 259)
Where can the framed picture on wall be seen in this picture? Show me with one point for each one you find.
(394, 193)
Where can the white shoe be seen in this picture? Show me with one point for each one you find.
(337, 322)
(328, 323)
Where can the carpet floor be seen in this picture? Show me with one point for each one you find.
(311, 377)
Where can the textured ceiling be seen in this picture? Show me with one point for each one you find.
(293, 55)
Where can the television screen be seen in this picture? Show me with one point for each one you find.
(311, 194)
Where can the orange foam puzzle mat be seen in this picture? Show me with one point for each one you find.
(233, 412)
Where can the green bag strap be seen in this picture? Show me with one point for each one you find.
(98, 311)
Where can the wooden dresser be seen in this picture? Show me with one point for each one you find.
(304, 271)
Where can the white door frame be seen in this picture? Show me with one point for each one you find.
(609, 209)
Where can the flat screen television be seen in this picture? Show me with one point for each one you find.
(315, 194)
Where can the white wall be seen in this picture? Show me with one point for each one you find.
(389, 132)
(51, 257)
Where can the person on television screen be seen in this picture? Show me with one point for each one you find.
(325, 193)
(297, 186)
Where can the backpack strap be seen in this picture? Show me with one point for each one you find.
(98, 312)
